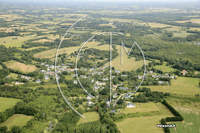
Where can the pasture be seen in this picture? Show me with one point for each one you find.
(157, 25)
(183, 85)
(13, 75)
(90, 116)
(12, 42)
(190, 123)
(6, 103)
(20, 66)
(164, 68)
(141, 107)
(17, 120)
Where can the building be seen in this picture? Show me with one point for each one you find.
(115, 95)
(123, 88)
(130, 105)
(127, 96)
(89, 97)
(75, 82)
(38, 81)
(117, 71)
(184, 72)
(46, 77)
(96, 72)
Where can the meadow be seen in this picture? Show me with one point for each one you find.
(6, 103)
(17, 120)
(20, 66)
(182, 85)
(90, 116)
(164, 68)
(13, 75)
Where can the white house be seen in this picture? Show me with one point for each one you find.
(89, 97)
(75, 82)
(130, 105)
(38, 81)
(46, 77)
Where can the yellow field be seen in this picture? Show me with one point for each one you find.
(42, 40)
(191, 20)
(183, 85)
(17, 120)
(20, 66)
(181, 34)
(158, 25)
(141, 107)
(90, 116)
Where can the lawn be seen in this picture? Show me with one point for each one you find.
(190, 123)
(90, 116)
(164, 68)
(6, 103)
(17, 120)
(141, 107)
(183, 85)
(20, 66)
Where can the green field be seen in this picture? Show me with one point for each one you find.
(6, 103)
(20, 66)
(164, 68)
(128, 64)
(183, 85)
(190, 123)
(13, 75)
(1, 67)
(141, 107)
(17, 120)
(90, 116)
(9, 42)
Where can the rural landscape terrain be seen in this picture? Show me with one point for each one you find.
(99, 67)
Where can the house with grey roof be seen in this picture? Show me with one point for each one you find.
(123, 88)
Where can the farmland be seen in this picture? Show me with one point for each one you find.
(183, 85)
(17, 120)
(6, 103)
(90, 116)
(20, 66)
(164, 68)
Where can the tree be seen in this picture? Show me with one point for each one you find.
(16, 129)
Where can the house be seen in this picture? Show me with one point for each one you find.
(96, 87)
(83, 76)
(127, 96)
(73, 75)
(70, 70)
(96, 72)
(129, 93)
(140, 76)
(18, 83)
(123, 75)
(46, 77)
(90, 103)
(108, 102)
(75, 82)
(116, 71)
(161, 82)
(115, 95)
(184, 72)
(130, 105)
(150, 72)
(38, 81)
(114, 86)
(51, 66)
(91, 69)
(58, 77)
(113, 111)
(123, 88)
(89, 97)
(92, 81)
(105, 79)
(42, 71)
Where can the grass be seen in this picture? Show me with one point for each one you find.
(158, 25)
(164, 68)
(141, 107)
(128, 63)
(183, 85)
(48, 85)
(181, 34)
(190, 123)
(1, 67)
(17, 120)
(90, 116)
(13, 75)
(6, 103)
(51, 53)
(28, 49)
(9, 42)
(140, 124)
(20, 66)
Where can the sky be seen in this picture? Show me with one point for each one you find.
(99, 0)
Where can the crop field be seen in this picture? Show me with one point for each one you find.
(17, 120)
(20, 66)
(141, 107)
(183, 85)
(10, 42)
(164, 68)
(6, 103)
(90, 116)
(191, 20)
(190, 123)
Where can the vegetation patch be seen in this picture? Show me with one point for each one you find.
(90, 117)
(6, 103)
